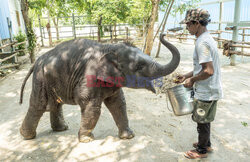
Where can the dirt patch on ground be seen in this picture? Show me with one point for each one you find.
(160, 136)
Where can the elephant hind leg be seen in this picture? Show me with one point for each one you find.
(31, 120)
(56, 118)
(37, 106)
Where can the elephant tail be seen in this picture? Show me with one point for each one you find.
(24, 82)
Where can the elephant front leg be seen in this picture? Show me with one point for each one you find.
(89, 117)
(56, 118)
(117, 107)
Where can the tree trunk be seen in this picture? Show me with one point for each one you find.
(57, 30)
(99, 29)
(49, 29)
(150, 34)
(55, 21)
(111, 33)
(159, 28)
(115, 35)
(28, 27)
(25, 9)
(163, 27)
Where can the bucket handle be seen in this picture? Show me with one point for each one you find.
(168, 106)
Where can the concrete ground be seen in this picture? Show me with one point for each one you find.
(160, 136)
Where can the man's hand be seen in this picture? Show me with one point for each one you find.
(206, 72)
(179, 79)
(189, 83)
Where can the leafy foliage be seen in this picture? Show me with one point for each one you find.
(140, 11)
(244, 124)
(31, 38)
(180, 6)
(20, 37)
(55, 7)
(110, 11)
(104, 12)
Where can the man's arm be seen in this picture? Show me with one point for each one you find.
(182, 78)
(206, 72)
(188, 75)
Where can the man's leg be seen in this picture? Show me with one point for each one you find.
(204, 112)
(203, 137)
(203, 141)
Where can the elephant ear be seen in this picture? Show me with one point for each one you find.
(108, 70)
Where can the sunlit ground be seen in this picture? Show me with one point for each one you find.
(160, 136)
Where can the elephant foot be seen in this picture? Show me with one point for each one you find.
(27, 135)
(126, 134)
(60, 127)
(86, 138)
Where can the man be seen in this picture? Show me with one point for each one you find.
(205, 79)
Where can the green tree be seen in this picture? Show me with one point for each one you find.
(20, 37)
(54, 8)
(102, 12)
(179, 6)
(60, 9)
(140, 12)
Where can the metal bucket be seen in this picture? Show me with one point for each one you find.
(181, 100)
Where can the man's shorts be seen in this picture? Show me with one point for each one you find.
(204, 111)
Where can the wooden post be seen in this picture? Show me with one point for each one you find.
(73, 27)
(243, 40)
(220, 19)
(111, 33)
(126, 34)
(180, 39)
(115, 31)
(163, 28)
(167, 36)
(235, 30)
(48, 26)
(99, 29)
(14, 59)
(41, 33)
(144, 32)
(1, 43)
(243, 35)
(90, 30)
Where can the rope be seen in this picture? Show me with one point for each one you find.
(167, 103)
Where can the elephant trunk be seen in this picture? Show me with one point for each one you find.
(162, 70)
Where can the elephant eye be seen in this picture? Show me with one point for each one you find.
(139, 67)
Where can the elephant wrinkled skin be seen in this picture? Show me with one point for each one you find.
(85, 73)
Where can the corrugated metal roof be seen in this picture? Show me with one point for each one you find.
(4, 13)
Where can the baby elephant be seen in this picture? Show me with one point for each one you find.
(86, 73)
